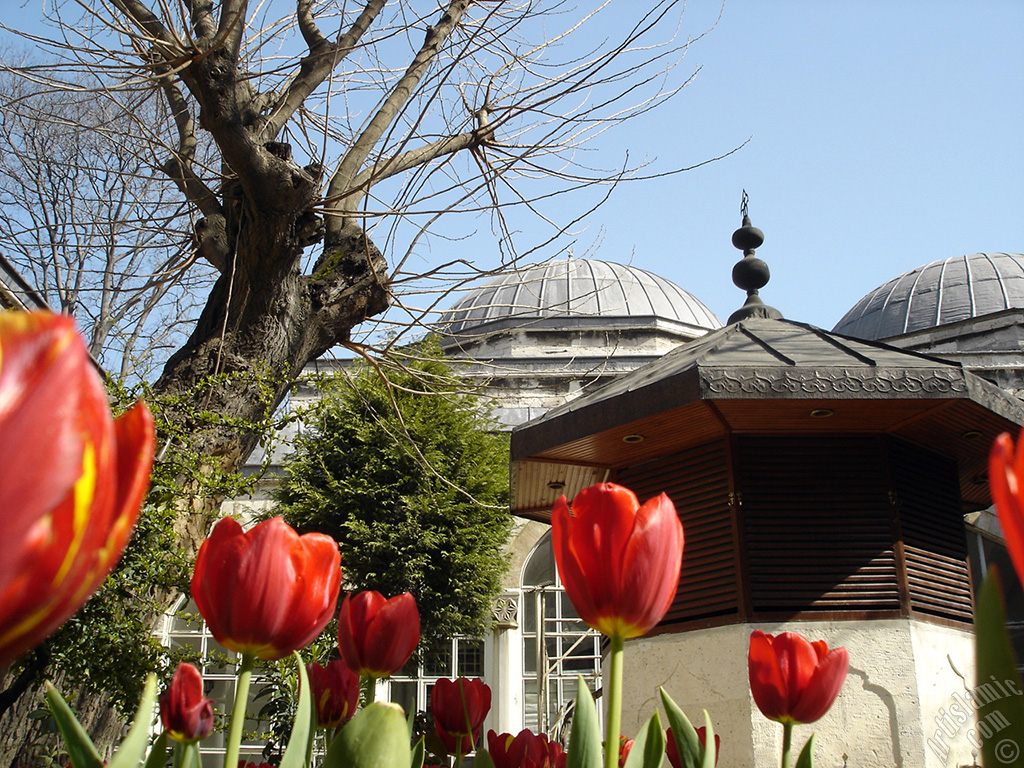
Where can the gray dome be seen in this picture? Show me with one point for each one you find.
(939, 293)
(577, 288)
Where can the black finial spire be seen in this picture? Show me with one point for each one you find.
(750, 273)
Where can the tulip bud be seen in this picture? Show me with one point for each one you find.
(619, 561)
(376, 637)
(335, 690)
(459, 708)
(794, 680)
(266, 592)
(186, 714)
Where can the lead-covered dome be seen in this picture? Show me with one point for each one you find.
(576, 289)
(939, 293)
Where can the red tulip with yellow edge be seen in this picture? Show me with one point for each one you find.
(619, 561)
(186, 714)
(73, 477)
(793, 679)
(1005, 473)
(524, 750)
(376, 636)
(268, 591)
(335, 690)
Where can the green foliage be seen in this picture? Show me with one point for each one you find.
(403, 468)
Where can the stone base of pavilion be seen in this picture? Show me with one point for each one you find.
(906, 701)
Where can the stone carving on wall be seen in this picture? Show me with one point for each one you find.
(870, 382)
(506, 610)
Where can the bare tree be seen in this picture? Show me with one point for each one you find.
(84, 217)
(351, 127)
(316, 147)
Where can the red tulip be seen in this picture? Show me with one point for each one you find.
(672, 752)
(793, 679)
(619, 561)
(625, 747)
(73, 477)
(524, 750)
(377, 636)
(266, 592)
(459, 708)
(335, 690)
(1005, 472)
(186, 714)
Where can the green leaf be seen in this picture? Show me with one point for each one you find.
(133, 748)
(419, 752)
(81, 751)
(683, 732)
(806, 759)
(482, 759)
(710, 758)
(649, 745)
(585, 739)
(375, 738)
(997, 668)
(158, 752)
(297, 754)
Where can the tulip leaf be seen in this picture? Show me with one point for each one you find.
(158, 752)
(710, 753)
(482, 759)
(133, 748)
(419, 752)
(81, 751)
(649, 745)
(806, 759)
(683, 732)
(997, 668)
(585, 738)
(376, 737)
(300, 743)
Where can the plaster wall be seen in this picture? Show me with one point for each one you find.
(901, 679)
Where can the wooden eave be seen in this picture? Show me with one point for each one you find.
(761, 376)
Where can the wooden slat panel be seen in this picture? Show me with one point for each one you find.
(697, 483)
(817, 524)
(931, 518)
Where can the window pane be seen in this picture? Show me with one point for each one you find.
(540, 568)
(439, 665)
(470, 658)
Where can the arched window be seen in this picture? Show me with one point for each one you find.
(556, 649)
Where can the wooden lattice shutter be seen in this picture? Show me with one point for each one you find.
(817, 524)
(698, 485)
(932, 524)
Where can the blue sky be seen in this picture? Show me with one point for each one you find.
(883, 135)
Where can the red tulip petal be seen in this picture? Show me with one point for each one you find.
(573, 577)
(767, 683)
(1005, 471)
(797, 662)
(392, 636)
(823, 687)
(651, 564)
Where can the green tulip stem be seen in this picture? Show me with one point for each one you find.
(787, 743)
(238, 711)
(611, 744)
(367, 690)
